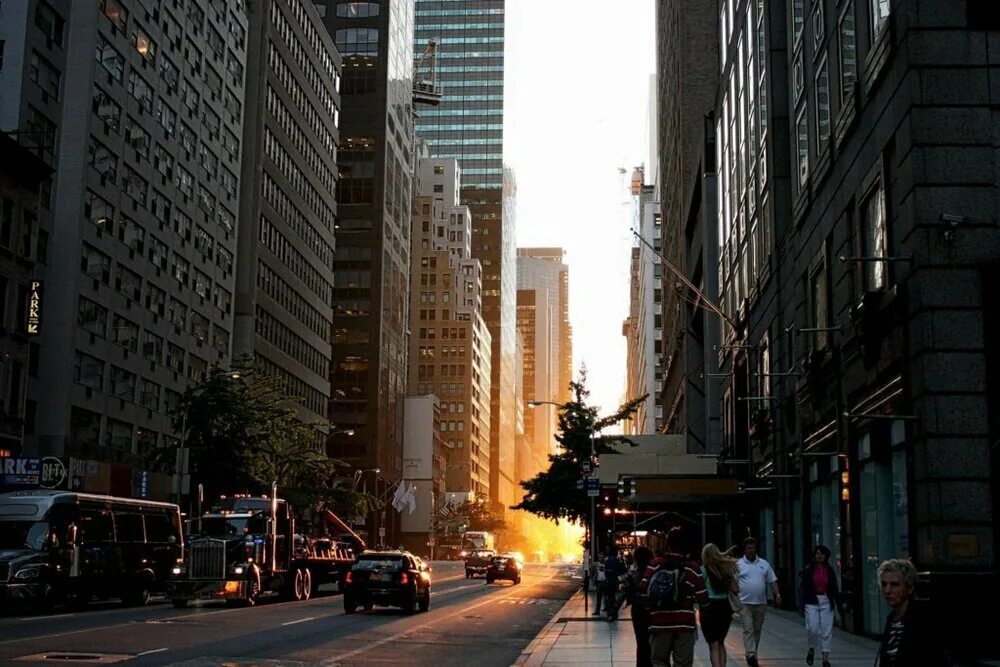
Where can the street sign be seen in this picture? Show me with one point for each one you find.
(381, 531)
(585, 467)
(430, 542)
(593, 492)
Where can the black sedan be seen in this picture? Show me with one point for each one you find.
(504, 566)
(388, 579)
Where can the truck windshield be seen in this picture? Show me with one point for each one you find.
(23, 534)
(226, 526)
(473, 542)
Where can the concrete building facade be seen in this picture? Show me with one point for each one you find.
(450, 346)
(288, 208)
(138, 108)
(545, 268)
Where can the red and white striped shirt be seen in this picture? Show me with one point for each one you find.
(681, 619)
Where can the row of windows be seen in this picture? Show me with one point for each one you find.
(312, 37)
(492, 39)
(436, 27)
(300, 141)
(357, 10)
(475, 98)
(448, 84)
(462, 112)
(295, 219)
(85, 429)
(471, 54)
(275, 332)
(294, 387)
(287, 78)
(276, 242)
(493, 141)
(357, 41)
(294, 46)
(470, 68)
(462, 126)
(472, 156)
(289, 298)
(426, 371)
(95, 318)
(471, 11)
(283, 161)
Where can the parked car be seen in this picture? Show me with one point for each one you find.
(505, 566)
(388, 579)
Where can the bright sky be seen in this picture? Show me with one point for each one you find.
(576, 109)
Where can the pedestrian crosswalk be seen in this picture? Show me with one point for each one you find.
(527, 601)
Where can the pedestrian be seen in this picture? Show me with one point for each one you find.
(640, 612)
(612, 571)
(671, 585)
(819, 595)
(911, 637)
(718, 569)
(600, 584)
(754, 575)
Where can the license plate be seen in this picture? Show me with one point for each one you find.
(385, 577)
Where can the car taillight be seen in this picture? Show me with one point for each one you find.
(348, 578)
(404, 578)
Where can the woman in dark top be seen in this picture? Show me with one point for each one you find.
(719, 571)
(818, 593)
(640, 614)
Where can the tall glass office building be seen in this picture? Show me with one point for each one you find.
(468, 126)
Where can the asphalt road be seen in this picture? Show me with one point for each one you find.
(468, 623)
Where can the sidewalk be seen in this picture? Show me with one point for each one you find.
(575, 638)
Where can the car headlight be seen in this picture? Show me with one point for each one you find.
(238, 569)
(30, 572)
(177, 570)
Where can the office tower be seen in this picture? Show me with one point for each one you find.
(545, 268)
(137, 106)
(22, 249)
(533, 323)
(450, 344)
(468, 126)
(643, 328)
(284, 265)
(372, 262)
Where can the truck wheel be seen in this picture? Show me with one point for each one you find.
(179, 603)
(369, 605)
(425, 601)
(489, 580)
(468, 575)
(350, 606)
(298, 586)
(307, 584)
(410, 604)
(136, 596)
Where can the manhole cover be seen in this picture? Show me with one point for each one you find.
(77, 658)
(473, 617)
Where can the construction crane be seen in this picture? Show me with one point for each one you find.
(425, 88)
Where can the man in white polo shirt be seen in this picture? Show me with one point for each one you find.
(755, 575)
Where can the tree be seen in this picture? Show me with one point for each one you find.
(242, 434)
(450, 520)
(553, 493)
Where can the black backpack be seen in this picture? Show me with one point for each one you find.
(664, 589)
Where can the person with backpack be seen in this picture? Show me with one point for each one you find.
(718, 569)
(671, 586)
(640, 614)
(754, 575)
(612, 572)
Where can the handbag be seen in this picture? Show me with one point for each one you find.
(734, 602)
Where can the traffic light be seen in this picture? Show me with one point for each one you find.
(626, 487)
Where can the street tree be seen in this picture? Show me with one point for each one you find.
(450, 520)
(242, 434)
(553, 493)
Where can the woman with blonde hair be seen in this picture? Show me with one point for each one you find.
(718, 568)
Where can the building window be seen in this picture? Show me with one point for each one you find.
(357, 10)
(798, 18)
(45, 76)
(802, 148)
(110, 59)
(818, 306)
(874, 239)
(88, 371)
(818, 27)
(49, 22)
(798, 77)
(144, 46)
(117, 14)
(848, 52)
(107, 110)
(357, 41)
(822, 91)
(879, 16)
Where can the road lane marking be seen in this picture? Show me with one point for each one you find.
(301, 620)
(151, 652)
(385, 640)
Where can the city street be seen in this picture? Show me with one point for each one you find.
(469, 622)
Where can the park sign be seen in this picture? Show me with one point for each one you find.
(34, 307)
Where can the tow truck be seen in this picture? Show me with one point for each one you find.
(245, 549)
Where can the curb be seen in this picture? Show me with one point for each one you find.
(534, 654)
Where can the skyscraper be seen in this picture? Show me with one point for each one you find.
(139, 222)
(450, 344)
(545, 268)
(468, 125)
(372, 262)
(284, 268)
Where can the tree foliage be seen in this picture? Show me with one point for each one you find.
(451, 520)
(242, 434)
(553, 493)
